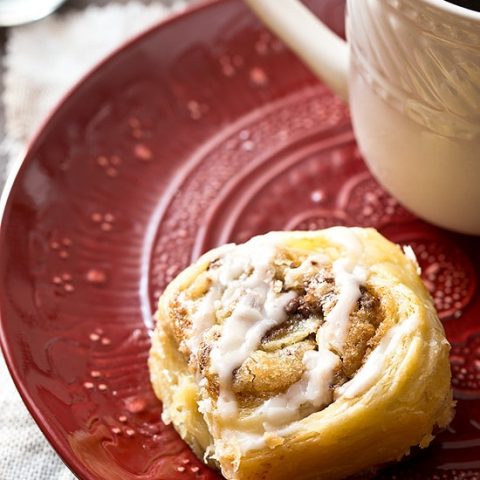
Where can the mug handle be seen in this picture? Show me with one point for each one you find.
(321, 49)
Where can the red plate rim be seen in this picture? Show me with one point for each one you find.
(56, 440)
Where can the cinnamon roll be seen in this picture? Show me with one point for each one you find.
(306, 355)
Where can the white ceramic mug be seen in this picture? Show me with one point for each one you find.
(411, 72)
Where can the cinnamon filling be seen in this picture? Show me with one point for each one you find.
(279, 360)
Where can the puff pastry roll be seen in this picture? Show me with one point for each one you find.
(306, 355)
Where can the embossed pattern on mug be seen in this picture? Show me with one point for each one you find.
(431, 75)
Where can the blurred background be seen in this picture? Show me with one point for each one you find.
(39, 62)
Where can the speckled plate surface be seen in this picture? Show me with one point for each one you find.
(204, 130)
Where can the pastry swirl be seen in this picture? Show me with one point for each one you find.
(307, 355)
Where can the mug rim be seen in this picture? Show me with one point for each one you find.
(452, 8)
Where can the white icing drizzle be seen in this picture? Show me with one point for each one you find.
(348, 279)
(313, 389)
(348, 275)
(347, 238)
(202, 312)
(244, 281)
(203, 317)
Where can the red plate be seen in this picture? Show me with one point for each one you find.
(203, 130)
